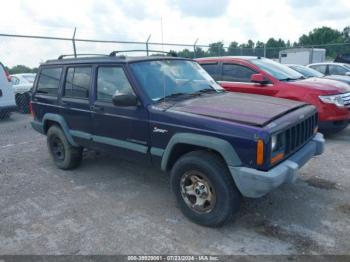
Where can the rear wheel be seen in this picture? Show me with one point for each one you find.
(62, 152)
(205, 189)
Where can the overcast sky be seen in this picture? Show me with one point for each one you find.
(183, 22)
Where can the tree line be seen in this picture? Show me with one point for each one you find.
(334, 41)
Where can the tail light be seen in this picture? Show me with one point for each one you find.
(8, 76)
(31, 108)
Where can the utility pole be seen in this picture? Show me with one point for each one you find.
(194, 48)
(73, 40)
(147, 43)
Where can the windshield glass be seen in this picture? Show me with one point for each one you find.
(29, 78)
(277, 70)
(347, 66)
(306, 71)
(164, 78)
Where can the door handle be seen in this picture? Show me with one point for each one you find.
(97, 108)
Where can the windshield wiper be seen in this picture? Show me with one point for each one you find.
(175, 95)
(288, 79)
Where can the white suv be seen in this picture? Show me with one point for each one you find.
(7, 97)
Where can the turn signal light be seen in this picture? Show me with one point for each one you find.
(260, 152)
(277, 158)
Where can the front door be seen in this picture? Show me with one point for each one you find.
(236, 78)
(119, 129)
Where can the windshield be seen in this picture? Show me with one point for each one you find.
(165, 78)
(277, 70)
(306, 71)
(347, 66)
(29, 78)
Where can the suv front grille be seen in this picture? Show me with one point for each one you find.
(299, 134)
(346, 99)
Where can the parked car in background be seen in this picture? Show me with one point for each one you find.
(331, 68)
(22, 85)
(265, 77)
(7, 97)
(169, 112)
(308, 72)
(343, 58)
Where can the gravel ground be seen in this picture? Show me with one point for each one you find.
(110, 206)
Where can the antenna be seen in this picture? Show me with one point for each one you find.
(161, 30)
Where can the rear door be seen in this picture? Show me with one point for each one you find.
(45, 97)
(213, 69)
(75, 101)
(236, 77)
(124, 130)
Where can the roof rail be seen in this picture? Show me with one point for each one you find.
(76, 55)
(141, 50)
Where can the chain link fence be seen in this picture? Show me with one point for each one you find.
(76, 46)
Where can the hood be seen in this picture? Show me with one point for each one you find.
(238, 107)
(345, 79)
(322, 84)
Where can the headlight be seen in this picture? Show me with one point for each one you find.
(273, 143)
(335, 99)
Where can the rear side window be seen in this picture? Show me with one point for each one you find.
(337, 70)
(320, 68)
(110, 81)
(213, 70)
(77, 83)
(236, 73)
(49, 81)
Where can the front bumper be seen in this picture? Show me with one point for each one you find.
(333, 126)
(8, 109)
(254, 183)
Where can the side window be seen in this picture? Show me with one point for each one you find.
(49, 80)
(212, 70)
(110, 81)
(77, 83)
(236, 73)
(320, 68)
(337, 70)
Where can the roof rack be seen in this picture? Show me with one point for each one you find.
(76, 55)
(142, 50)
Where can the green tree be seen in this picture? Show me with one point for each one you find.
(216, 49)
(20, 69)
(200, 52)
(233, 48)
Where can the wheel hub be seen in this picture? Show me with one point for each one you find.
(197, 192)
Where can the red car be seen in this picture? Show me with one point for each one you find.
(265, 77)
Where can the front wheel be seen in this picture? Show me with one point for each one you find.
(205, 189)
(62, 152)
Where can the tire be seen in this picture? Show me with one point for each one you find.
(224, 196)
(64, 155)
(5, 115)
(22, 101)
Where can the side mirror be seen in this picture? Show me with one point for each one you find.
(125, 100)
(258, 78)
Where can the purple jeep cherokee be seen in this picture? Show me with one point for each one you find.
(217, 146)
